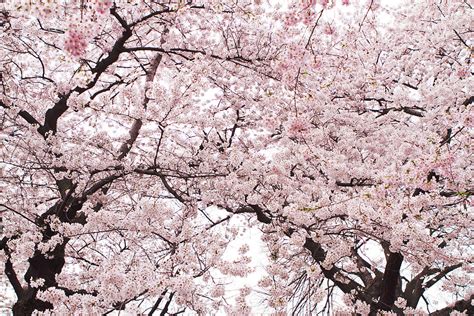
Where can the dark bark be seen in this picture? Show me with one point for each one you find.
(386, 288)
(157, 303)
(167, 305)
(41, 266)
(417, 286)
(52, 116)
(460, 306)
(390, 283)
(28, 303)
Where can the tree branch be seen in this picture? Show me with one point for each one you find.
(389, 284)
(441, 274)
(416, 287)
(24, 114)
(137, 124)
(167, 305)
(54, 113)
(464, 305)
(12, 277)
(157, 303)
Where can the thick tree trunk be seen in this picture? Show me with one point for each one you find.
(28, 303)
(389, 284)
(45, 267)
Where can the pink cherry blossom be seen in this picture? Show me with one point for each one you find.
(236, 157)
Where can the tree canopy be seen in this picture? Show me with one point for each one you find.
(132, 132)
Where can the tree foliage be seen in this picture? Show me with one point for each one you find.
(342, 130)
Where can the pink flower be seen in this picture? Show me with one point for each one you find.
(324, 3)
(328, 30)
(102, 6)
(297, 127)
(291, 19)
(75, 43)
(308, 3)
(462, 73)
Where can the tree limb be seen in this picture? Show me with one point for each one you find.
(464, 305)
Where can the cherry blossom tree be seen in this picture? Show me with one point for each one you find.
(133, 132)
